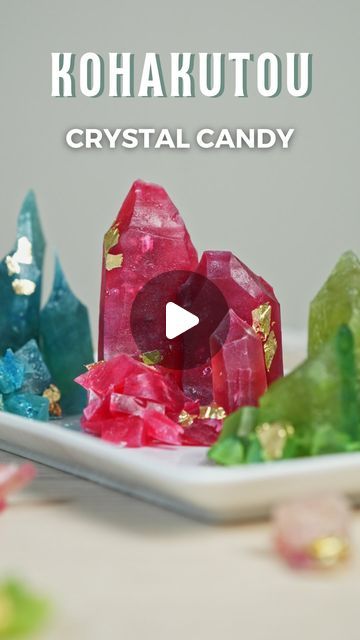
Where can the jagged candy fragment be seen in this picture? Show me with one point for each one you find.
(65, 340)
(11, 373)
(337, 302)
(36, 374)
(20, 280)
(147, 238)
(28, 405)
(313, 532)
(312, 410)
(238, 368)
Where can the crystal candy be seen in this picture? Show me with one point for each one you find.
(131, 403)
(20, 280)
(147, 238)
(253, 301)
(238, 369)
(337, 302)
(65, 340)
(22, 613)
(13, 478)
(36, 374)
(313, 532)
(28, 405)
(12, 372)
(312, 410)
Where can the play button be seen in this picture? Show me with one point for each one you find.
(173, 317)
(178, 320)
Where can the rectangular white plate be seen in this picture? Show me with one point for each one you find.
(181, 478)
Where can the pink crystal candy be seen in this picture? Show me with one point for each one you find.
(151, 385)
(152, 239)
(13, 478)
(162, 429)
(121, 403)
(244, 292)
(312, 532)
(127, 430)
(238, 368)
(202, 433)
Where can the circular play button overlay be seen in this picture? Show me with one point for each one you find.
(173, 317)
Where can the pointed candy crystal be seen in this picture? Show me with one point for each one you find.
(11, 373)
(238, 369)
(337, 302)
(20, 280)
(28, 405)
(312, 410)
(65, 340)
(148, 238)
(36, 374)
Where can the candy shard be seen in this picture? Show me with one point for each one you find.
(314, 532)
(11, 373)
(36, 374)
(337, 303)
(28, 405)
(20, 280)
(66, 341)
(162, 429)
(253, 301)
(238, 369)
(147, 239)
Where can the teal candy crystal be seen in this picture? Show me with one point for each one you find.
(11, 373)
(36, 374)
(20, 280)
(65, 340)
(28, 405)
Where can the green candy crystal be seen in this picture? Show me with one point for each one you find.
(312, 410)
(65, 341)
(21, 612)
(28, 405)
(338, 302)
(20, 280)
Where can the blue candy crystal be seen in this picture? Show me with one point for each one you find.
(20, 280)
(28, 405)
(11, 373)
(65, 340)
(36, 374)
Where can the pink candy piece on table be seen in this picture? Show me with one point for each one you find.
(13, 478)
(313, 532)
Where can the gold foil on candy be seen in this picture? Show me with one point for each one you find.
(22, 255)
(151, 357)
(261, 317)
(53, 394)
(186, 419)
(212, 412)
(273, 437)
(23, 287)
(92, 365)
(329, 550)
(112, 261)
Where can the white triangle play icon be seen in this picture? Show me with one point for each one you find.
(178, 320)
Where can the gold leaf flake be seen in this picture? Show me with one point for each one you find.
(212, 412)
(93, 364)
(22, 255)
(23, 287)
(273, 437)
(151, 357)
(270, 347)
(111, 239)
(329, 550)
(185, 418)
(261, 318)
(53, 394)
(113, 261)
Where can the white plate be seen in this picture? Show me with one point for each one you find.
(181, 478)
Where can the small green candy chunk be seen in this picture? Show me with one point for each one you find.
(28, 405)
(228, 451)
(65, 341)
(21, 612)
(337, 303)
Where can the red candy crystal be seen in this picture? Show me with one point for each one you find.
(238, 368)
(147, 238)
(252, 299)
